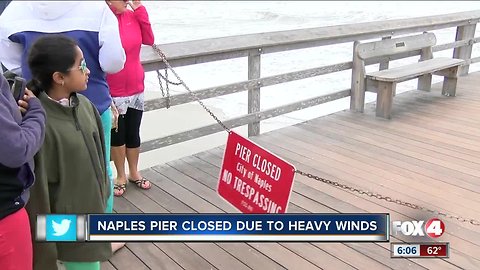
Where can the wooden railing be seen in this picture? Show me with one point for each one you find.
(254, 45)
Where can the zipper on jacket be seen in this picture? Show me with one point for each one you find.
(90, 152)
(77, 125)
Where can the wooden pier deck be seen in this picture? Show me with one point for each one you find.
(428, 154)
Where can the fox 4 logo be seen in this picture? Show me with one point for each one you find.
(434, 228)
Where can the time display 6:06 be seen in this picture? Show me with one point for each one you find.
(405, 250)
(420, 250)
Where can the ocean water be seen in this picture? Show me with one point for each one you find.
(175, 21)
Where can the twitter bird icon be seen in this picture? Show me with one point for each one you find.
(61, 228)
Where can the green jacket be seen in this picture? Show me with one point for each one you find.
(71, 177)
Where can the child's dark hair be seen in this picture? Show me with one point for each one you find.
(49, 54)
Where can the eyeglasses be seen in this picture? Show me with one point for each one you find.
(82, 67)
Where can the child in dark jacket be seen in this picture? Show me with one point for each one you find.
(71, 165)
(20, 139)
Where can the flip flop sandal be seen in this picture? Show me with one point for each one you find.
(119, 189)
(141, 183)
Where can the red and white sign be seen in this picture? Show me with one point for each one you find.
(253, 179)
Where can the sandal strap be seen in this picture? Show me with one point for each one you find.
(120, 186)
(140, 182)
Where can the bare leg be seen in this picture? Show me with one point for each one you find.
(132, 158)
(133, 155)
(118, 157)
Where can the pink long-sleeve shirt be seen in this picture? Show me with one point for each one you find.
(135, 30)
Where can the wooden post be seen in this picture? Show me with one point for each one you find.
(464, 52)
(449, 88)
(357, 92)
(385, 99)
(425, 81)
(384, 64)
(254, 93)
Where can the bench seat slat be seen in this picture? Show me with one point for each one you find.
(411, 71)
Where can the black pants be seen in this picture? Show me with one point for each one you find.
(128, 132)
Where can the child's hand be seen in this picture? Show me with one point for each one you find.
(23, 103)
(115, 116)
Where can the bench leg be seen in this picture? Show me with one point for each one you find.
(450, 82)
(425, 83)
(385, 92)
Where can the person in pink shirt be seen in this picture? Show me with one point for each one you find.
(127, 90)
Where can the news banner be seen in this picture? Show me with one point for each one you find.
(238, 228)
(259, 185)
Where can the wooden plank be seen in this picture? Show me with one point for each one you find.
(227, 89)
(251, 257)
(357, 92)
(407, 72)
(107, 266)
(152, 256)
(434, 137)
(451, 45)
(125, 259)
(199, 204)
(253, 103)
(384, 64)
(410, 169)
(385, 92)
(455, 142)
(396, 45)
(450, 82)
(185, 256)
(464, 32)
(369, 146)
(175, 170)
(434, 158)
(163, 198)
(425, 81)
(443, 124)
(240, 121)
(434, 108)
(218, 257)
(412, 142)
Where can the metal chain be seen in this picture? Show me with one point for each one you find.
(159, 76)
(165, 77)
(311, 176)
(164, 59)
(386, 198)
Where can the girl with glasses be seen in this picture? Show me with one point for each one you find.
(70, 167)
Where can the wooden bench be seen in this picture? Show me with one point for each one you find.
(384, 82)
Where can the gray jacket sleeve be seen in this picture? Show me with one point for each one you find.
(19, 142)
